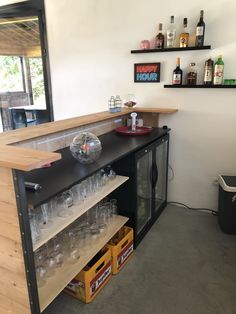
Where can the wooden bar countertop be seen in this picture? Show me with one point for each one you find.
(28, 159)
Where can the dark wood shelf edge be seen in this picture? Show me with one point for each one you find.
(170, 49)
(199, 86)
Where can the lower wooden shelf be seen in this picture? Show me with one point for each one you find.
(67, 272)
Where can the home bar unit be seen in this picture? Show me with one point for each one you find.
(23, 156)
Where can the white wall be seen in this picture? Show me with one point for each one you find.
(89, 45)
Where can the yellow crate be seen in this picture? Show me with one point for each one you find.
(122, 248)
(87, 284)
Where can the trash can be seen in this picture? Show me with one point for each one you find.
(227, 204)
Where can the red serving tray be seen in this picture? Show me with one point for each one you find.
(140, 130)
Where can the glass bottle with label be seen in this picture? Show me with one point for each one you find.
(177, 74)
(171, 33)
(159, 41)
(192, 75)
(111, 104)
(208, 73)
(200, 31)
(118, 103)
(218, 71)
(184, 36)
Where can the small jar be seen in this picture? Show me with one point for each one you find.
(111, 104)
(145, 44)
(192, 75)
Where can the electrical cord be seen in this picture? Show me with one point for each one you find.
(172, 173)
(212, 211)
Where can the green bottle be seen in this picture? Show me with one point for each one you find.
(218, 71)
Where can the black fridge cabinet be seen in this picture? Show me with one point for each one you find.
(144, 196)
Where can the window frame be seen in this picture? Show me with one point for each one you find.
(35, 8)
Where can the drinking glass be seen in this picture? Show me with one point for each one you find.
(114, 207)
(73, 252)
(46, 217)
(102, 220)
(109, 211)
(34, 227)
(64, 204)
(77, 197)
(57, 250)
(40, 266)
(110, 173)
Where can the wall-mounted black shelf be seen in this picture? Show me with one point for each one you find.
(170, 49)
(199, 86)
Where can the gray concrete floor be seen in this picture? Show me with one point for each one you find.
(185, 265)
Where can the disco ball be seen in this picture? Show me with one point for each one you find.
(86, 148)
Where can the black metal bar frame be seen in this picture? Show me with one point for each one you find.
(27, 246)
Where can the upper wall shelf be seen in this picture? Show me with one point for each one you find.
(170, 49)
(199, 86)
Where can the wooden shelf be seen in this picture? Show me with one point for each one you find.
(61, 223)
(199, 86)
(67, 272)
(170, 49)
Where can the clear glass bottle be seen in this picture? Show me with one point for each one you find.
(192, 74)
(184, 36)
(218, 71)
(159, 41)
(111, 104)
(171, 33)
(118, 103)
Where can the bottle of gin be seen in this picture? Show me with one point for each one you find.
(171, 33)
(159, 41)
(184, 36)
(200, 31)
(218, 71)
(177, 74)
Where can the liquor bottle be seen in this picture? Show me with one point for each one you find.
(184, 37)
(159, 41)
(218, 71)
(171, 33)
(208, 73)
(192, 75)
(177, 74)
(200, 31)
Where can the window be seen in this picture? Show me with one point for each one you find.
(24, 65)
(11, 76)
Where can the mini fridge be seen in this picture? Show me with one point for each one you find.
(144, 196)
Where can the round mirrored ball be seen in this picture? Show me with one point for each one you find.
(86, 148)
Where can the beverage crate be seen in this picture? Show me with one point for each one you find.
(122, 248)
(92, 278)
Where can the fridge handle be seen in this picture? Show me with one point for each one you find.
(154, 174)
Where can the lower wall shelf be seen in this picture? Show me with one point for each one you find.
(67, 272)
(199, 86)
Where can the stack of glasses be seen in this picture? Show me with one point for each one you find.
(62, 205)
(77, 239)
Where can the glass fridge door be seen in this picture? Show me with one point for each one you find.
(160, 167)
(144, 189)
